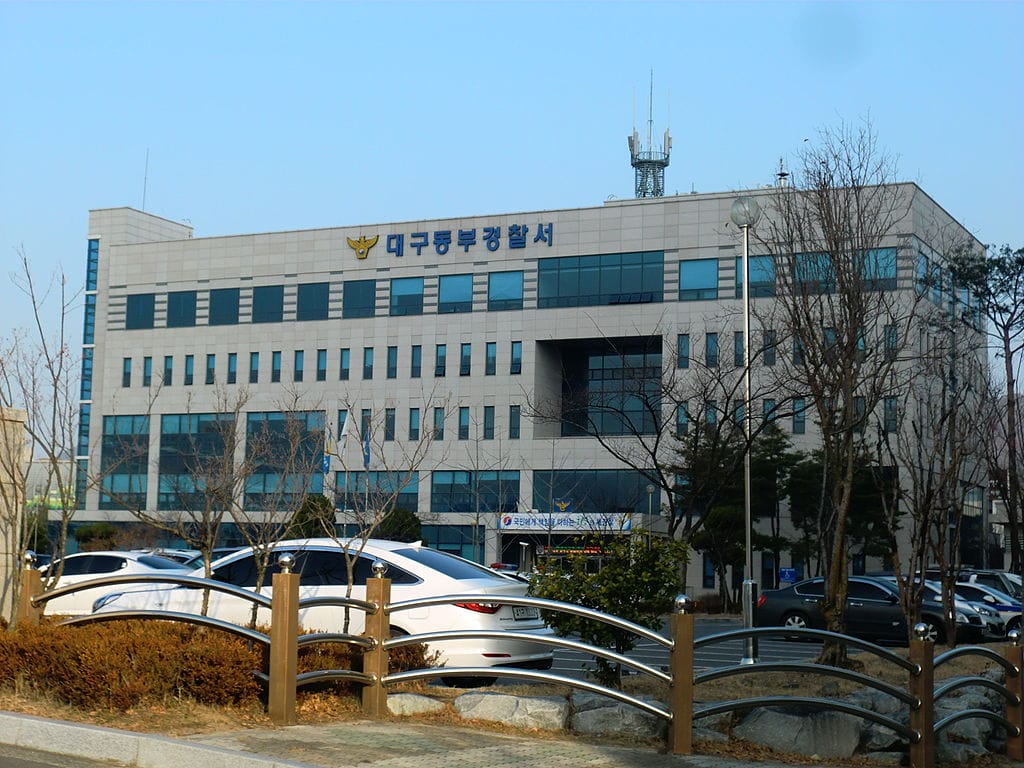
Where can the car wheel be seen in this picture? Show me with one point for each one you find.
(934, 630)
(795, 620)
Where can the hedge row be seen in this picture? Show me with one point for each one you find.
(118, 665)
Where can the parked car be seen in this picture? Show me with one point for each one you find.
(872, 611)
(1004, 581)
(415, 571)
(993, 626)
(83, 566)
(1006, 606)
(196, 559)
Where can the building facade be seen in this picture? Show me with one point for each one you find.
(420, 358)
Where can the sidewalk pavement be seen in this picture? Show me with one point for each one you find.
(363, 743)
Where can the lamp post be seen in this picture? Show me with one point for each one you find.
(744, 214)
(650, 511)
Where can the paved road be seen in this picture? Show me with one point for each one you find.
(18, 757)
(722, 654)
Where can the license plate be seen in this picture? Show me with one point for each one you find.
(524, 612)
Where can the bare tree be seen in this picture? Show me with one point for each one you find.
(39, 375)
(995, 280)
(837, 302)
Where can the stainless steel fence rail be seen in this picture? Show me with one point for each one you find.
(245, 633)
(144, 578)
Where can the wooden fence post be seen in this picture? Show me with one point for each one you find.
(1014, 654)
(284, 643)
(680, 732)
(377, 629)
(31, 585)
(922, 687)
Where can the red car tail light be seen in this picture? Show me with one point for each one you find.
(481, 607)
(761, 601)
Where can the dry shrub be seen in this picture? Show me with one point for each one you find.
(117, 666)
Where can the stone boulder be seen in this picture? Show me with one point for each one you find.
(547, 713)
(823, 734)
(413, 704)
(593, 713)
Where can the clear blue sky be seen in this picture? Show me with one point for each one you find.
(271, 116)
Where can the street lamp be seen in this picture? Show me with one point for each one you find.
(744, 214)
(650, 511)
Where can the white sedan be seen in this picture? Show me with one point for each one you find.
(416, 571)
(84, 566)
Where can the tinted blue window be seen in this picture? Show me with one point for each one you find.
(407, 296)
(224, 306)
(504, 290)
(268, 304)
(615, 278)
(594, 491)
(92, 266)
(762, 276)
(87, 354)
(89, 329)
(462, 491)
(455, 294)
(84, 416)
(311, 301)
(124, 459)
(698, 279)
(359, 298)
(181, 309)
(139, 311)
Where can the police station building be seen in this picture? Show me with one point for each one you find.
(432, 342)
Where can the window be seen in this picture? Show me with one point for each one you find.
(613, 278)
(147, 371)
(92, 265)
(439, 423)
(830, 340)
(491, 358)
(737, 349)
(232, 367)
(406, 296)
(516, 360)
(798, 352)
(190, 369)
(465, 359)
(859, 414)
(768, 348)
(440, 360)
(224, 306)
(343, 364)
(181, 309)
(392, 371)
(275, 366)
(414, 423)
(799, 416)
(211, 367)
(467, 492)
(298, 365)
(814, 273)
(168, 378)
(367, 363)
(311, 301)
(342, 424)
(321, 365)
(365, 416)
(140, 310)
(513, 422)
(463, 423)
(389, 424)
(683, 418)
(86, 377)
(416, 361)
(254, 367)
(504, 291)
(126, 372)
(890, 342)
(711, 350)
(698, 279)
(488, 422)
(737, 412)
(707, 571)
(359, 298)
(880, 269)
(683, 350)
(455, 294)
(268, 304)
(890, 415)
(762, 277)
(89, 320)
(768, 408)
(711, 412)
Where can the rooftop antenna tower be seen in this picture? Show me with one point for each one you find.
(649, 162)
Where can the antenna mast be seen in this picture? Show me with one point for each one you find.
(649, 162)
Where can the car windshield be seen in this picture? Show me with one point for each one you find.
(161, 563)
(455, 567)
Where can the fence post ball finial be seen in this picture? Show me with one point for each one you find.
(29, 558)
(1014, 637)
(379, 568)
(920, 631)
(683, 604)
(286, 562)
